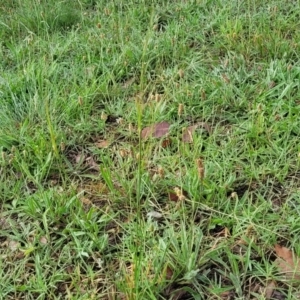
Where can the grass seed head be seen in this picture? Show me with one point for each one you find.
(157, 97)
(181, 73)
(161, 172)
(103, 116)
(200, 168)
(130, 128)
(180, 109)
(179, 194)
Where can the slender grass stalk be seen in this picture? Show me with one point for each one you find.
(51, 132)
(139, 102)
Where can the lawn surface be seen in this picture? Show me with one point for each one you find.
(149, 149)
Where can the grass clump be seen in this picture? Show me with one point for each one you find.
(149, 150)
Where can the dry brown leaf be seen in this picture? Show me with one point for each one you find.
(272, 84)
(158, 97)
(13, 245)
(131, 128)
(269, 289)
(287, 262)
(79, 158)
(4, 223)
(226, 295)
(225, 78)
(127, 83)
(93, 187)
(103, 116)
(181, 195)
(154, 215)
(102, 144)
(169, 273)
(166, 143)
(173, 196)
(187, 136)
(157, 130)
(86, 201)
(180, 294)
(92, 164)
(177, 194)
(19, 255)
(43, 240)
(125, 153)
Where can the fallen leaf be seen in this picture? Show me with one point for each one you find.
(125, 153)
(86, 201)
(4, 223)
(127, 83)
(43, 240)
(187, 136)
(13, 245)
(272, 84)
(157, 130)
(234, 195)
(157, 173)
(79, 158)
(226, 295)
(131, 128)
(154, 215)
(287, 262)
(180, 294)
(169, 273)
(225, 78)
(166, 142)
(92, 164)
(103, 116)
(102, 144)
(155, 27)
(269, 289)
(177, 194)
(93, 187)
(173, 196)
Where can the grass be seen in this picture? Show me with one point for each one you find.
(88, 208)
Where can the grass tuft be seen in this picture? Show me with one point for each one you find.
(91, 206)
